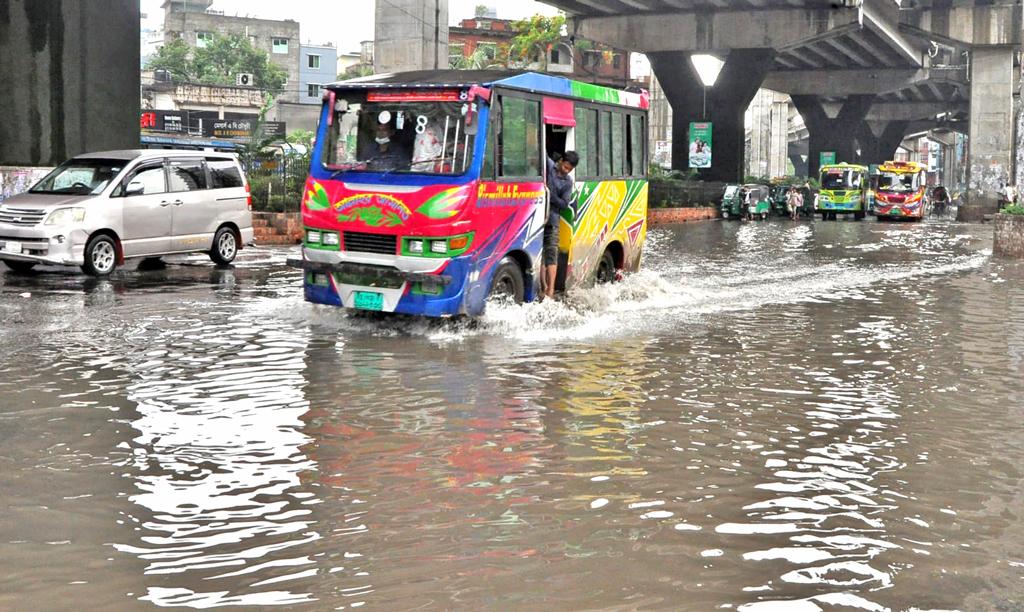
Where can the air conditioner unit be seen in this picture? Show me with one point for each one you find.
(244, 79)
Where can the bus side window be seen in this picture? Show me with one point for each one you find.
(605, 150)
(519, 143)
(586, 141)
(493, 133)
(618, 144)
(636, 146)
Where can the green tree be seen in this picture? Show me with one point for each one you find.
(226, 56)
(482, 58)
(219, 63)
(534, 38)
(174, 58)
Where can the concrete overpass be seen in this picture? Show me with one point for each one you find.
(861, 72)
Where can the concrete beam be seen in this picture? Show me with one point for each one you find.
(998, 23)
(844, 82)
(715, 31)
(882, 17)
(913, 111)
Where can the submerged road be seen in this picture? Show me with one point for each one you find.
(770, 413)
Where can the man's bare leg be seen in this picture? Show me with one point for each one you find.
(550, 272)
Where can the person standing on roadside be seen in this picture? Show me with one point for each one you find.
(560, 194)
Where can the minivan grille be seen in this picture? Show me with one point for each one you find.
(370, 243)
(21, 216)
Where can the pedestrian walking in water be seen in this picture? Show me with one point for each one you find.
(792, 203)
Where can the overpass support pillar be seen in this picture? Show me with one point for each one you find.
(836, 135)
(878, 143)
(727, 102)
(990, 141)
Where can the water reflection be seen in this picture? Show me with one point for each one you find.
(223, 517)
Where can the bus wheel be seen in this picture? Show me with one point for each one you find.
(858, 215)
(824, 216)
(507, 285)
(606, 269)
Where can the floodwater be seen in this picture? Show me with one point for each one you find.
(772, 416)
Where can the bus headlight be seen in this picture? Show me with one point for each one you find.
(415, 246)
(330, 238)
(313, 236)
(439, 246)
(63, 216)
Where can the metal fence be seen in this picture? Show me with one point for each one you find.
(276, 180)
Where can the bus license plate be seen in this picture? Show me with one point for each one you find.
(368, 300)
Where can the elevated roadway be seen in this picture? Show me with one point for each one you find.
(861, 72)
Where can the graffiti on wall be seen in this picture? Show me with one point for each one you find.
(18, 180)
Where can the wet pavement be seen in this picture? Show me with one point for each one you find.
(771, 416)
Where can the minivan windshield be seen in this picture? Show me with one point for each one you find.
(400, 131)
(80, 177)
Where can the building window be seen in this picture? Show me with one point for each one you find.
(280, 46)
(313, 90)
(483, 25)
(314, 62)
(556, 56)
(203, 39)
(617, 61)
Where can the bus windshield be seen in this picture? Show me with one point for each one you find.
(838, 178)
(899, 182)
(380, 133)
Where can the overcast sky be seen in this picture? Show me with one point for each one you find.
(342, 22)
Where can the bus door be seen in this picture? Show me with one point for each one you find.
(559, 137)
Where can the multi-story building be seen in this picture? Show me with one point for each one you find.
(194, 22)
(318, 65)
(586, 61)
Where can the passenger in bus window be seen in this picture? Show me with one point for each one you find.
(560, 189)
(387, 154)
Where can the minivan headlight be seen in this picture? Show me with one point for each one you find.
(63, 216)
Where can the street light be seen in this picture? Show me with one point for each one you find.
(708, 68)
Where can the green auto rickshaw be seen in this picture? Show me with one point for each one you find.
(778, 197)
(757, 202)
(732, 204)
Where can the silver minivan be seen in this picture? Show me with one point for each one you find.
(99, 209)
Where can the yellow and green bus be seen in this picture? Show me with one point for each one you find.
(843, 191)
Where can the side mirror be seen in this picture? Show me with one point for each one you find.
(135, 188)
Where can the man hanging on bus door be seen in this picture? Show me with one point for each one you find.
(560, 189)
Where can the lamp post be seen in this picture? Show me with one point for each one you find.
(708, 68)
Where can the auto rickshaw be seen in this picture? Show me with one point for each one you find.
(756, 200)
(732, 203)
(778, 197)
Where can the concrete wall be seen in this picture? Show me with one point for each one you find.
(411, 35)
(326, 73)
(261, 32)
(296, 116)
(70, 79)
(18, 180)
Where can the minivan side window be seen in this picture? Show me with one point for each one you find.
(186, 175)
(223, 173)
(151, 177)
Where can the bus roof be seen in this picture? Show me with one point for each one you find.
(523, 80)
(902, 166)
(844, 166)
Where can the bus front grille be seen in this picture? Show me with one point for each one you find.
(370, 243)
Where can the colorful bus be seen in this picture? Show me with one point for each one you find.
(900, 191)
(427, 190)
(843, 191)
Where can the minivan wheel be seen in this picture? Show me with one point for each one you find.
(20, 266)
(100, 256)
(225, 247)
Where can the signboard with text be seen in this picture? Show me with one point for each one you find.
(826, 157)
(243, 129)
(700, 144)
